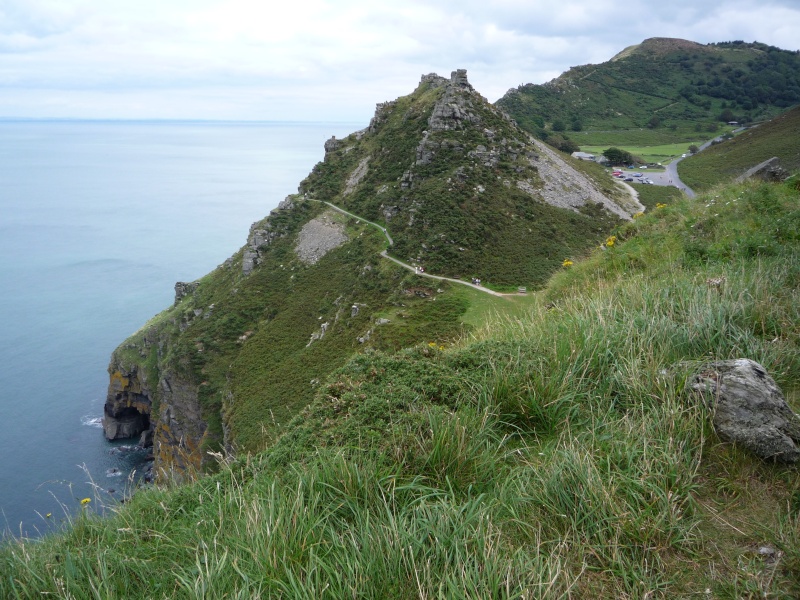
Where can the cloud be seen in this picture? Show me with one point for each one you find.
(320, 59)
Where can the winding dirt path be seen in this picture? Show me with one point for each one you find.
(413, 269)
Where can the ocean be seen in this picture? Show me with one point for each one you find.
(98, 220)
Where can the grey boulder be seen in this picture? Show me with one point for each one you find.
(749, 409)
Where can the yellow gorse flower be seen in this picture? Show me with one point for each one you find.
(85, 501)
(567, 263)
(611, 240)
(637, 215)
(661, 205)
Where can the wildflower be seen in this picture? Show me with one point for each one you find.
(48, 515)
(441, 347)
(567, 263)
(611, 240)
(85, 501)
(661, 205)
(431, 344)
(637, 215)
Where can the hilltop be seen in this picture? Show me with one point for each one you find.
(668, 87)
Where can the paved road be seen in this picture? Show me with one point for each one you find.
(669, 176)
(414, 269)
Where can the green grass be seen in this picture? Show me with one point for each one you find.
(554, 452)
(651, 154)
(663, 89)
(722, 162)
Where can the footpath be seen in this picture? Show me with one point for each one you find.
(413, 269)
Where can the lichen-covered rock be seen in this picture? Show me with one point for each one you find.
(749, 409)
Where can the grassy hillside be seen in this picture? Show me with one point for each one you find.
(662, 91)
(555, 454)
(725, 161)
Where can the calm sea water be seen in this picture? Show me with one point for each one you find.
(98, 220)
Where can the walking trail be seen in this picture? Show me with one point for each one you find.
(411, 268)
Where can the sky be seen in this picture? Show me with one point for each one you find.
(325, 60)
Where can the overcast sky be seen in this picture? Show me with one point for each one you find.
(325, 60)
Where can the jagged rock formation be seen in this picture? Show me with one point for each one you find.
(261, 236)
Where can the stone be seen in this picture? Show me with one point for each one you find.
(183, 289)
(769, 170)
(749, 409)
(146, 439)
(332, 144)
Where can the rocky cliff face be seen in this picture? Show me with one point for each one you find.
(459, 189)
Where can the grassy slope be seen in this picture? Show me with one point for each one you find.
(722, 162)
(555, 454)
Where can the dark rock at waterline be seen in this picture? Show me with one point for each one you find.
(749, 409)
(146, 440)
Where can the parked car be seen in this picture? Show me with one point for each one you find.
(629, 179)
(638, 175)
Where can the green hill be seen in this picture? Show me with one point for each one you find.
(779, 137)
(671, 89)
(554, 455)
(457, 189)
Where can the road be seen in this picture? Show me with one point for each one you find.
(669, 176)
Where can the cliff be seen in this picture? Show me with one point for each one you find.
(458, 189)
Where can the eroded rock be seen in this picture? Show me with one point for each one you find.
(749, 409)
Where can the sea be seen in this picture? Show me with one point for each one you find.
(98, 220)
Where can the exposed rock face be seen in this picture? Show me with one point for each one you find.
(183, 289)
(749, 409)
(382, 111)
(769, 170)
(126, 413)
(356, 176)
(454, 109)
(318, 237)
(261, 236)
(179, 429)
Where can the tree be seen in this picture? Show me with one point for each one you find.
(654, 122)
(694, 149)
(563, 143)
(558, 125)
(616, 156)
(577, 125)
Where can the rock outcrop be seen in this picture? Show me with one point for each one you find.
(261, 236)
(749, 409)
(769, 170)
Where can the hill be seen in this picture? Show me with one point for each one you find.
(557, 455)
(778, 137)
(442, 182)
(671, 88)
